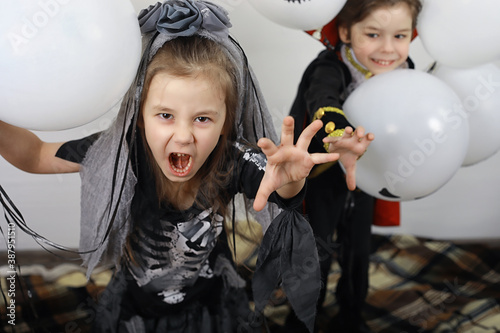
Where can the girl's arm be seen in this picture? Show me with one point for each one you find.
(27, 152)
(288, 165)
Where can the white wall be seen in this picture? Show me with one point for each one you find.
(465, 208)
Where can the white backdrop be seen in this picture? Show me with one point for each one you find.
(466, 208)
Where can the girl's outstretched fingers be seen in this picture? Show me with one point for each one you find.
(287, 164)
(260, 201)
(321, 158)
(308, 133)
(287, 129)
(266, 187)
(267, 146)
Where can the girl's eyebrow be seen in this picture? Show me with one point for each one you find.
(159, 107)
(213, 113)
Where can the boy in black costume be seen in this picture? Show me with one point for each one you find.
(369, 44)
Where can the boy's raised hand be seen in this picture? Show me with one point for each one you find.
(351, 146)
(287, 164)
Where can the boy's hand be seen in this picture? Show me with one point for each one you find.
(351, 146)
(287, 164)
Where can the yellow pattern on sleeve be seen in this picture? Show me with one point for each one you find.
(321, 112)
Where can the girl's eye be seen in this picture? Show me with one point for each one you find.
(165, 116)
(400, 36)
(202, 119)
(372, 35)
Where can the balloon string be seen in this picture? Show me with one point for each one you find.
(14, 217)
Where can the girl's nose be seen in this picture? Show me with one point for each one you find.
(183, 134)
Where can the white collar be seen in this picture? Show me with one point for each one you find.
(358, 72)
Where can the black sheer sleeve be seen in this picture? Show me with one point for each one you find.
(75, 150)
(250, 166)
(287, 255)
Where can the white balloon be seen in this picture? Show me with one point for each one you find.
(420, 141)
(460, 33)
(479, 90)
(65, 63)
(299, 14)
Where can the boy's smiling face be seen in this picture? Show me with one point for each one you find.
(183, 121)
(381, 41)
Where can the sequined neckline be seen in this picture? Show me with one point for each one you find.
(356, 65)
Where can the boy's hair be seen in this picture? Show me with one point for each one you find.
(355, 11)
(196, 56)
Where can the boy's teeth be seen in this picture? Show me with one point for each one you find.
(383, 62)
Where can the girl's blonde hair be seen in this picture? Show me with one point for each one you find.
(190, 57)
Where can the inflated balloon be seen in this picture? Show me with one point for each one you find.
(65, 63)
(420, 138)
(297, 14)
(479, 90)
(460, 33)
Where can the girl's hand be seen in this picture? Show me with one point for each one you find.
(351, 146)
(287, 164)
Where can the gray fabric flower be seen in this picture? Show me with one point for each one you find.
(148, 18)
(184, 18)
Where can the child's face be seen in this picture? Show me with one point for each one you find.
(183, 120)
(381, 42)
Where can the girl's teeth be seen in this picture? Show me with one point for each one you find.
(184, 169)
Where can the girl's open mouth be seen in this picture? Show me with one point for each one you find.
(180, 164)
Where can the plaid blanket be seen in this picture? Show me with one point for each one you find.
(416, 285)
(422, 285)
(50, 300)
